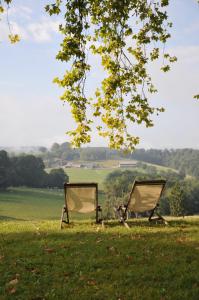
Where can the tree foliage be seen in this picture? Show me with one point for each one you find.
(127, 35)
(93, 154)
(28, 170)
(57, 178)
(176, 201)
(184, 160)
(4, 5)
(181, 197)
(4, 170)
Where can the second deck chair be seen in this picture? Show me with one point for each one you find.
(82, 198)
(144, 196)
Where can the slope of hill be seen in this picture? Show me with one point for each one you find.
(34, 204)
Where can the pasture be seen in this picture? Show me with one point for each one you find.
(23, 203)
(84, 261)
(38, 261)
(88, 175)
(34, 204)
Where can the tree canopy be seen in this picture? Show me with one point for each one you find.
(4, 170)
(14, 38)
(28, 170)
(180, 198)
(127, 36)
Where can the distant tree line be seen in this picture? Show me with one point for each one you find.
(184, 160)
(28, 170)
(61, 153)
(181, 196)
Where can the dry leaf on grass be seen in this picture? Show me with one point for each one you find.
(98, 241)
(12, 291)
(91, 282)
(181, 239)
(129, 258)
(13, 281)
(35, 271)
(11, 285)
(112, 249)
(49, 250)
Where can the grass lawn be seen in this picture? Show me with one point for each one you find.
(84, 261)
(34, 204)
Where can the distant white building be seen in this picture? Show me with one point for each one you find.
(73, 165)
(128, 164)
(68, 165)
(76, 165)
(89, 165)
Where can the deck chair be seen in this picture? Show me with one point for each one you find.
(82, 198)
(144, 196)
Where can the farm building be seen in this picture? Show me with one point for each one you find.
(73, 165)
(128, 164)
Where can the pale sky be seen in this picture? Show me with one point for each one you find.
(31, 113)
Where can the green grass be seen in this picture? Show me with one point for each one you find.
(99, 175)
(34, 204)
(27, 203)
(84, 261)
(38, 261)
(161, 168)
(88, 175)
(102, 163)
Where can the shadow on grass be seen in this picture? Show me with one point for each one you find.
(6, 218)
(184, 222)
(12, 200)
(135, 223)
(143, 222)
(84, 261)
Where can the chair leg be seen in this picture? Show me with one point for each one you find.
(125, 224)
(158, 218)
(99, 220)
(119, 213)
(64, 215)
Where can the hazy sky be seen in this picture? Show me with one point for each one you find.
(31, 112)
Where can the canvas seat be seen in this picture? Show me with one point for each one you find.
(81, 198)
(144, 197)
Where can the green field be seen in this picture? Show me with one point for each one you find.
(40, 262)
(99, 175)
(45, 204)
(41, 204)
(88, 175)
(34, 204)
(27, 203)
